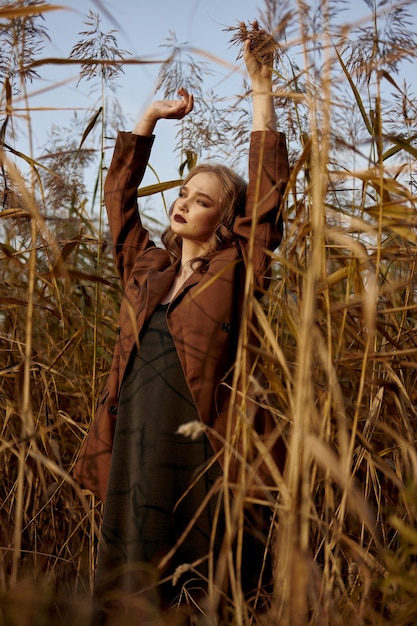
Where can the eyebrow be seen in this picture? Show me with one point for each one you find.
(200, 193)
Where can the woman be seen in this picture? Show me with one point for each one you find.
(173, 361)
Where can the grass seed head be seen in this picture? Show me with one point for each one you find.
(263, 44)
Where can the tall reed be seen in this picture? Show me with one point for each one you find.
(336, 330)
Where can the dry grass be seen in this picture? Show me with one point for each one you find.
(337, 331)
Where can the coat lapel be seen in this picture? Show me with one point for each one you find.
(158, 284)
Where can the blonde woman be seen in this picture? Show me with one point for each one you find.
(173, 361)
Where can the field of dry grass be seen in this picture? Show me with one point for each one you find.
(337, 329)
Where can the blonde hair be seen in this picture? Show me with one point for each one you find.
(232, 204)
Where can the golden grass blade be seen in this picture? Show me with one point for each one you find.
(158, 188)
(13, 12)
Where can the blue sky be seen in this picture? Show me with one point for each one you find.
(142, 27)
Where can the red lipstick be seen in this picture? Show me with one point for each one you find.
(180, 218)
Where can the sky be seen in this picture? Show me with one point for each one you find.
(143, 26)
(142, 29)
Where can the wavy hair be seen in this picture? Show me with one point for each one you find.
(232, 204)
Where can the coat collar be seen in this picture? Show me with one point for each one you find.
(158, 283)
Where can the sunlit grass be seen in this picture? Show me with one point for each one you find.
(336, 333)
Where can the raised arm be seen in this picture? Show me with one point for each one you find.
(268, 168)
(125, 173)
(260, 74)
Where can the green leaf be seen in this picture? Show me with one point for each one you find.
(356, 94)
(88, 130)
(401, 144)
(190, 161)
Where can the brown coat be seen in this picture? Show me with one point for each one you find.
(204, 317)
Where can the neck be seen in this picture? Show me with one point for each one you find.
(192, 250)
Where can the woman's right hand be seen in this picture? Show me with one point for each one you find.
(164, 109)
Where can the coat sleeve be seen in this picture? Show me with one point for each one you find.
(268, 177)
(127, 168)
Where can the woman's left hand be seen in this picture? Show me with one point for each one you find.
(254, 51)
(259, 58)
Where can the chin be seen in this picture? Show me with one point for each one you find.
(174, 227)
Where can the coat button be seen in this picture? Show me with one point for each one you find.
(226, 327)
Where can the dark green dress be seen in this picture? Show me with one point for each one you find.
(149, 500)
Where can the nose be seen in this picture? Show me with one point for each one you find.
(182, 205)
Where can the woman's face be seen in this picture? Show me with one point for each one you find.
(196, 212)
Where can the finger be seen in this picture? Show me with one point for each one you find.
(190, 104)
(247, 47)
(188, 99)
(183, 92)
